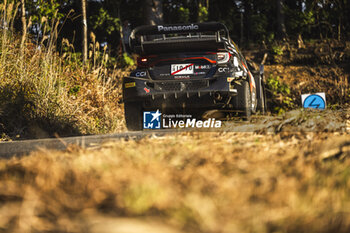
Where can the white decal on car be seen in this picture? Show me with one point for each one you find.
(141, 74)
(178, 28)
(181, 69)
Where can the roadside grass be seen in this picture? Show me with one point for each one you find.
(43, 93)
(193, 182)
(315, 67)
(286, 83)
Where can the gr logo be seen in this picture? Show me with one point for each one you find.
(317, 100)
(141, 74)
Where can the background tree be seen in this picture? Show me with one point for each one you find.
(24, 23)
(153, 12)
(262, 19)
(281, 28)
(85, 30)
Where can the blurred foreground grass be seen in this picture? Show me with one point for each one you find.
(194, 182)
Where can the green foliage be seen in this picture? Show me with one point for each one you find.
(277, 49)
(276, 86)
(184, 14)
(259, 26)
(280, 94)
(312, 19)
(125, 60)
(105, 21)
(202, 13)
(74, 90)
(45, 9)
(300, 21)
(277, 53)
(270, 37)
(68, 52)
(308, 18)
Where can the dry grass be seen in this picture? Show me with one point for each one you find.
(303, 79)
(321, 66)
(43, 92)
(198, 182)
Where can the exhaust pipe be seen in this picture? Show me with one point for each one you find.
(217, 96)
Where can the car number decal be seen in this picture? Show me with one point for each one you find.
(181, 69)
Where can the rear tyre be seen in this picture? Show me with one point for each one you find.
(133, 116)
(244, 101)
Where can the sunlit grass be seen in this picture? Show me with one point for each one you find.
(43, 92)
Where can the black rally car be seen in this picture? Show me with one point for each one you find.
(190, 68)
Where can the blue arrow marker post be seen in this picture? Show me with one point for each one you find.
(317, 101)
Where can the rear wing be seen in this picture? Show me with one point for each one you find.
(178, 38)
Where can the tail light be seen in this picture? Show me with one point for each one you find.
(223, 58)
(142, 62)
(145, 62)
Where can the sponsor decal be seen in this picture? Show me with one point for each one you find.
(181, 69)
(151, 120)
(162, 28)
(182, 77)
(203, 67)
(141, 74)
(223, 69)
(157, 120)
(129, 85)
(252, 81)
(199, 73)
(317, 101)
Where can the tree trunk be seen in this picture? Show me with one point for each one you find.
(153, 12)
(84, 29)
(339, 28)
(24, 24)
(247, 19)
(194, 10)
(242, 31)
(282, 34)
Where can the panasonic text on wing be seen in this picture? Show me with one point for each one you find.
(177, 28)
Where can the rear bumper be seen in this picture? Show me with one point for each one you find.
(204, 93)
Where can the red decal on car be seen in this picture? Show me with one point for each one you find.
(252, 81)
(184, 59)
